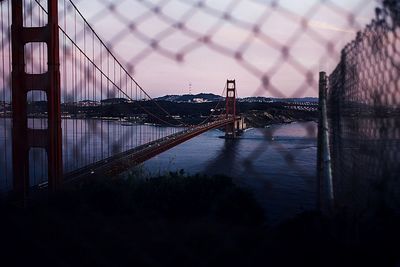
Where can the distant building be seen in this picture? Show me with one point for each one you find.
(88, 103)
(4, 106)
(200, 100)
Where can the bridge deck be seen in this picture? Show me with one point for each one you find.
(123, 161)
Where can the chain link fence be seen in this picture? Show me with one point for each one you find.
(272, 48)
(364, 118)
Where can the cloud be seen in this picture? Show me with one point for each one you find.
(326, 26)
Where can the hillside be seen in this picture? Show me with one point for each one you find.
(202, 97)
(209, 97)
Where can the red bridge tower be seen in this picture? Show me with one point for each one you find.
(24, 138)
(230, 131)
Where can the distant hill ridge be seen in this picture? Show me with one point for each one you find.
(209, 97)
(206, 97)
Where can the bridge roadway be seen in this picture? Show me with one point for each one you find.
(121, 162)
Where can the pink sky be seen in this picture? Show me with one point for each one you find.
(206, 66)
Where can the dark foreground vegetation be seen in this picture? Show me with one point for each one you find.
(182, 221)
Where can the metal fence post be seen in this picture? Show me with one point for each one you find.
(324, 172)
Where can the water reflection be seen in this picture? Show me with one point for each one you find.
(257, 161)
(84, 142)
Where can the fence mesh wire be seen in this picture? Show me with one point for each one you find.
(273, 48)
(277, 47)
(364, 113)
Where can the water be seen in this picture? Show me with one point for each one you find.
(84, 142)
(276, 163)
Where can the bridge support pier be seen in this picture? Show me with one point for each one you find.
(25, 138)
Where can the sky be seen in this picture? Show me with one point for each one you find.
(271, 48)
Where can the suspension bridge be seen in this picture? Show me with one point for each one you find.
(70, 108)
(67, 88)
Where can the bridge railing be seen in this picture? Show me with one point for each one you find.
(363, 108)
